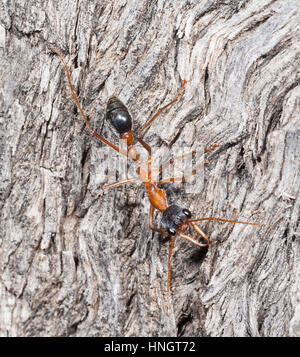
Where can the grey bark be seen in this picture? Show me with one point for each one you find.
(79, 261)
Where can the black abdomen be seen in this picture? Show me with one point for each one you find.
(118, 116)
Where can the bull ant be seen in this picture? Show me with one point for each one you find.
(175, 220)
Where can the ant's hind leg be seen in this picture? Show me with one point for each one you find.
(55, 50)
(163, 108)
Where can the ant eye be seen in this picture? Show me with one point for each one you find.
(187, 213)
(171, 231)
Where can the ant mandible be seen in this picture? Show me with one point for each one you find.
(175, 219)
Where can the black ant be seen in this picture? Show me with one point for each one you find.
(175, 219)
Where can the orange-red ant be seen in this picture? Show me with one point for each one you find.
(175, 219)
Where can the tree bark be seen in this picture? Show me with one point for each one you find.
(76, 260)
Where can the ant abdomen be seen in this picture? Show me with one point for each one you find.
(118, 116)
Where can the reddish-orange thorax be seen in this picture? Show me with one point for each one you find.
(157, 197)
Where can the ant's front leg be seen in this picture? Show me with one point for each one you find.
(158, 230)
(171, 244)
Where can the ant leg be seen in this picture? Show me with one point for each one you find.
(183, 178)
(158, 230)
(55, 50)
(189, 238)
(170, 162)
(177, 179)
(171, 179)
(146, 146)
(118, 183)
(172, 241)
(163, 108)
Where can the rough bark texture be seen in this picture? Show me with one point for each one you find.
(78, 261)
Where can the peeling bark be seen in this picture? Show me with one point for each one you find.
(79, 261)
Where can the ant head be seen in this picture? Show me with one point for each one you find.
(175, 218)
